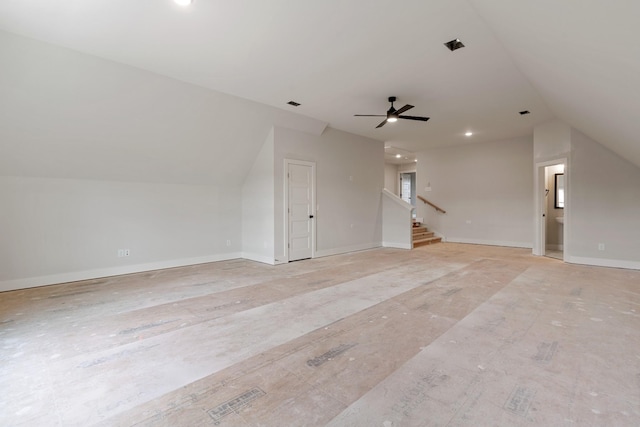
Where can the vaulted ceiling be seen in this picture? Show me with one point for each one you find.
(577, 60)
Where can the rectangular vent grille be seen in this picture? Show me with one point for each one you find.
(454, 45)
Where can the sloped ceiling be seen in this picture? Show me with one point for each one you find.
(573, 59)
(582, 57)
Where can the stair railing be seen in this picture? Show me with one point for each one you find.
(436, 207)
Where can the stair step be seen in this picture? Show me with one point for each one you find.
(420, 229)
(423, 235)
(428, 241)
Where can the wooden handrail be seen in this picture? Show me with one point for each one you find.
(437, 208)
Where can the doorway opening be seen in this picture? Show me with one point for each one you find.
(408, 187)
(551, 206)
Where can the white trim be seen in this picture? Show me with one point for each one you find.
(288, 162)
(555, 247)
(347, 249)
(258, 258)
(396, 245)
(397, 200)
(506, 243)
(602, 262)
(54, 279)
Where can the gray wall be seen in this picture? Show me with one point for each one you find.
(258, 206)
(56, 230)
(605, 206)
(486, 189)
(96, 156)
(391, 178)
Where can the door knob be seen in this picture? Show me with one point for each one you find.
(310, 216)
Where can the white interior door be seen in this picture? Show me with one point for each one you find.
(301, 201)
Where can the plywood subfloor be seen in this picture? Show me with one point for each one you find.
(444, 335)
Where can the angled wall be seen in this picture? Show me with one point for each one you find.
(96, 156)
(605, 206)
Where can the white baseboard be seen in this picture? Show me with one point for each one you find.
(33, 282)
(346, 249)
(507, 243)
(258, 258)
(396, 245)
(602, 262)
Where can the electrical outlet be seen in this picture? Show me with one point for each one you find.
(228, 242)
(601, 246)
(127, 252)
(120, 253)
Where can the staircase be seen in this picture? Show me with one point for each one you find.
(422, 237)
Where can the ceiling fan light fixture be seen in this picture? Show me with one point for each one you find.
(393, 115)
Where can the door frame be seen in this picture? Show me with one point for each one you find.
(314, 208)
(399, 184)
(540, 205)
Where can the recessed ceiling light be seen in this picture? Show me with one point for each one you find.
(183, 2)
(454, 45)
(468, 133)
(398, 156)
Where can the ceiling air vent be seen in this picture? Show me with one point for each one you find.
(294, 103)
(525, 112)
(454, 45)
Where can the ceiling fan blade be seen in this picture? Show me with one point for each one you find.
(422, 119)
(382, 124)
(403, 109)
(369, 115)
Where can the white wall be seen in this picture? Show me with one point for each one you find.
(407, 167)
(552, 140)
(57, 230)
(605, 206)
(391, 178)
(486, 189)
(258, 206)
(396, 221)
(349, 180)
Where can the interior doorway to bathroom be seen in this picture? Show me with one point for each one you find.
(554, 204)
(551, 191)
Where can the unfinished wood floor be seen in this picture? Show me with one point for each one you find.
(449, 334)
